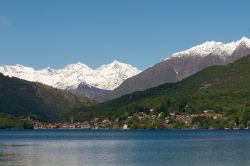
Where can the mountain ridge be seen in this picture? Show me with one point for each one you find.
(105, 77)
(212, 46)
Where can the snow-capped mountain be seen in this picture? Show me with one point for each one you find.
(183, 64)
(106, 77)
(212, 47)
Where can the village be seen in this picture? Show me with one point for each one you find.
(166, 121)
(94, 124)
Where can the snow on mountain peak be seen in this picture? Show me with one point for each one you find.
(245, 39)
(117, 66)
(213, 47)
(118, 72)
(116, 62)
(19, 65)
(77, 66)
(106, 77)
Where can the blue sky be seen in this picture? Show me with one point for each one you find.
(140, 32)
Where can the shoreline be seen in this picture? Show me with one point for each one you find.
(79, 129)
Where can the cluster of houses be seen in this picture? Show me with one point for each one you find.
(66, 125)
(93, 124)
(187, 118)
(175, 116)
(106, 123)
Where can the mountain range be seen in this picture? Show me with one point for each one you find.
(116, 79)
(106, 77)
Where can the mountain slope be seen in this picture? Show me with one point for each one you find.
(221, 88)
(22, 98)
(106, 77)
(87, 90)
(183, 64)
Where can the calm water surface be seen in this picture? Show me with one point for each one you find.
(112, 148)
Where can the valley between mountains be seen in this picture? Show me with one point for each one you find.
(206, 86)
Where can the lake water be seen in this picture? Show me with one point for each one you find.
(114, 148)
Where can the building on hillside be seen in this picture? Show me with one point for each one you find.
(125, 127)
(184, 118)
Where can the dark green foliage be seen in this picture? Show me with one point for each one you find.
(246, 117)
(178, 125)
(11, 122)
(206, 123)
(23, 98)
(143, 124)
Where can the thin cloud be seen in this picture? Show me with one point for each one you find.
(4, 20)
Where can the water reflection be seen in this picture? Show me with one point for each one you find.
(131, 148)
(105, 152)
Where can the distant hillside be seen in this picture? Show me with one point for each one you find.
(224, 88)
(89, 91)
(22, 98)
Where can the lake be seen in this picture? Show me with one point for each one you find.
(130, 148)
